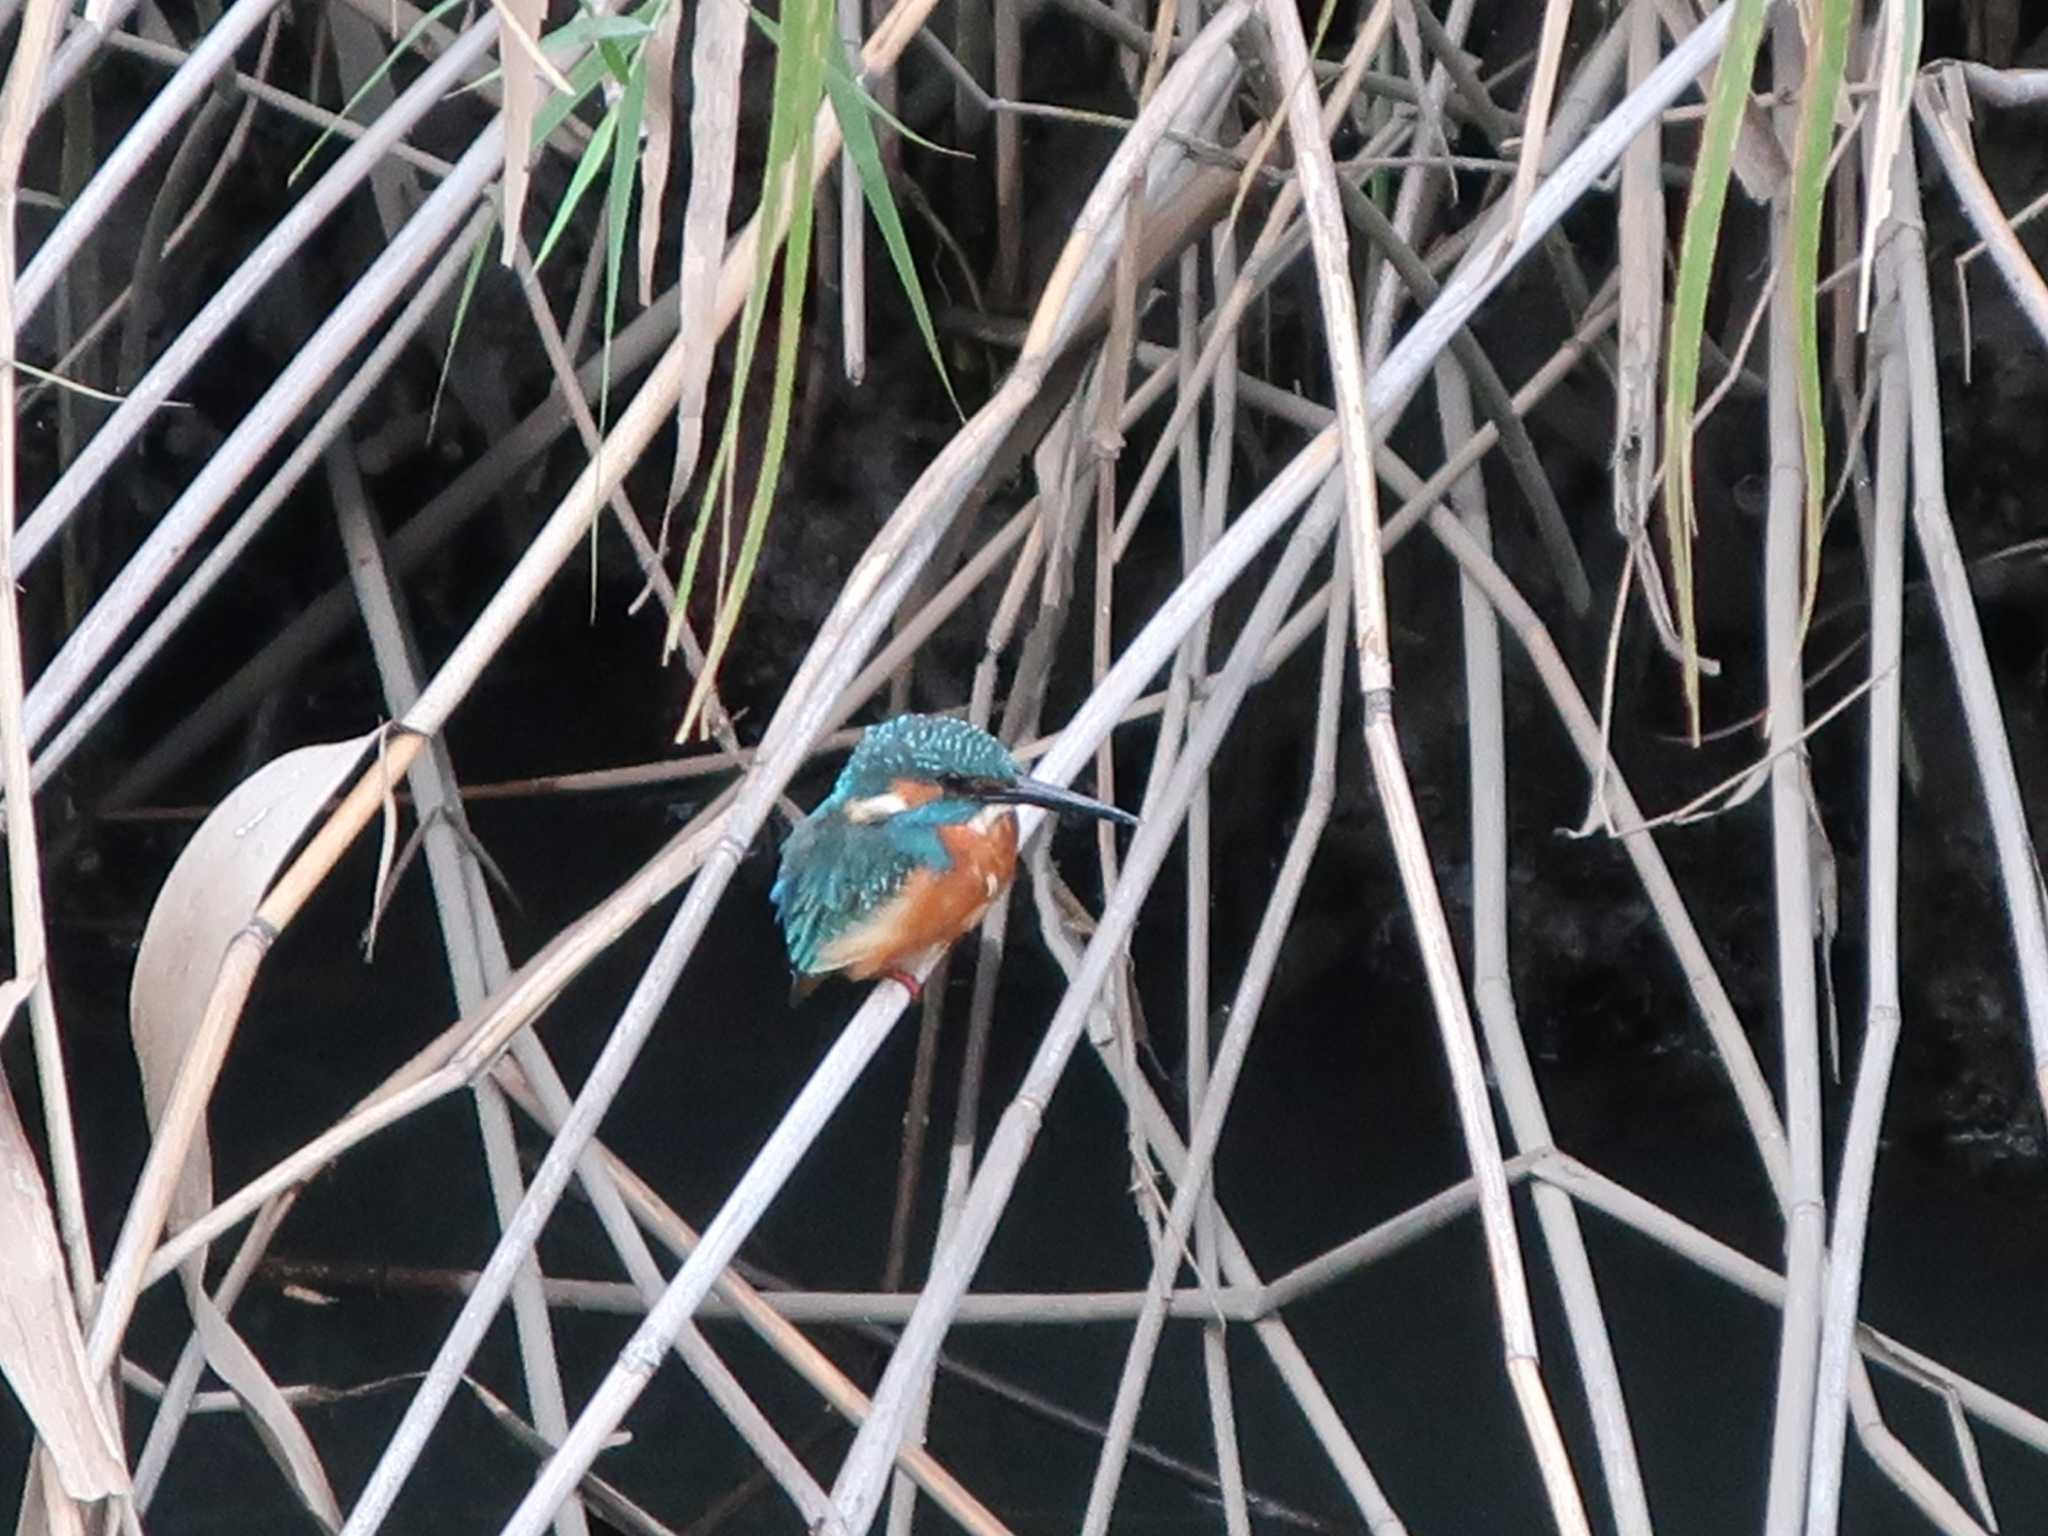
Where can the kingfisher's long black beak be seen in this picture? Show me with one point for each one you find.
(1052, 798)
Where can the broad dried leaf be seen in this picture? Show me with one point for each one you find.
(45, 1510)
(276, 1425)
(518, 58)
(42, 1352)
(716, 51)
(210, 895)
(660, 122)
(791, 191)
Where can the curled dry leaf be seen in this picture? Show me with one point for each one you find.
(210, 895)
(42, 1352)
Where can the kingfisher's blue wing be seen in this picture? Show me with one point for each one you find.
(834, 873)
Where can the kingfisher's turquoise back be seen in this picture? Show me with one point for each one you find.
(834, 876)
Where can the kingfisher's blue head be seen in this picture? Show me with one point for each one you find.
(914, 790)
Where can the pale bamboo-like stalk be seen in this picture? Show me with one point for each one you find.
(436, 1072)
(1292, 1366)
(615, 1298)
(1392, 385)
(1321, 206)
(1881, 920)
(1710, 997)
(399, 264)
(1598, 1192)
(1204, 489)
(88, 211)
(1716, 1010)
(479, 964)
(220, 559)
(1193, 1189)
(1278, 243)
(469, 931)
(205, 328)
(853, 237)
(196, 1073)
(768, 1315)
(325, 617)
(2019, 867)
(1494, 996)
(1417, 181)
(857, 1488)
(45, 1502)
(867, 599)
(1006, 60)
(1980, 205)
(1051, 574)
(1793, 890)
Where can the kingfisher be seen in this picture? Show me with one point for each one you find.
(908, 851)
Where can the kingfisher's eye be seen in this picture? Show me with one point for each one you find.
(969, 786)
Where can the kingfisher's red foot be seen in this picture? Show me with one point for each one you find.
(906, 981)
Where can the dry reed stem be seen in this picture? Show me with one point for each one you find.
(1793, 888)
(616, 1298)
(324, 354)
(1443, 40)
(1708, 993)
(1297, 1376)
(195, 1077)
(1321, 207)
(2018, 862)
(952, 1267)
(1193, 1189)
(765, 1314)
(1598, 1192)
(717, 721)
(226, 305)
(1176, 706)
(470, 1045)
(717, 46)
(180, 1390)
(220, 559)
(1051, 509)
(1398, 380)
(88, 211)
(1493, 994)
(1881, 918)
(1942, 106)
(1203, 491)
(520, 589)
(469, 932)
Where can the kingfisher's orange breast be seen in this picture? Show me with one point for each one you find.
(935, 906)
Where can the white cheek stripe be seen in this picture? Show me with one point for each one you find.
(875, 808)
